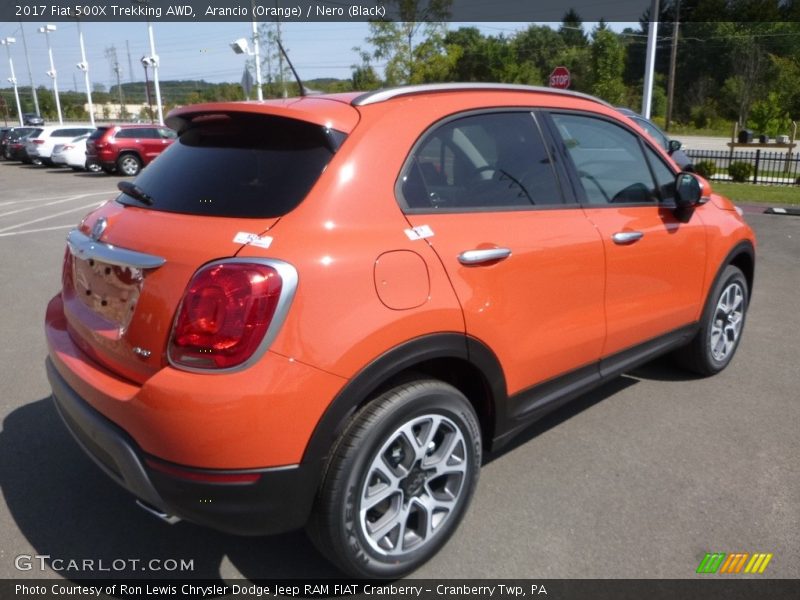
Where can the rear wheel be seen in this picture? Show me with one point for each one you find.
(720, 327)
(399, 480)
(129, 165)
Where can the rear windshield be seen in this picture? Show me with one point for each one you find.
(238, 165)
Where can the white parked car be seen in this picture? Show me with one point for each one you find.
(40, 147)
(73, 154)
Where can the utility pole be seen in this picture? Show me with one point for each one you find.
(145, 64)
(673, 57)
(130, 62)
(111, 55)
(30, 73)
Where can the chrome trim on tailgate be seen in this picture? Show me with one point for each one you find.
(85, 248)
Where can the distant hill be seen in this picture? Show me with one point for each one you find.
(188, 91)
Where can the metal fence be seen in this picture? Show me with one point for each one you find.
(766, 166)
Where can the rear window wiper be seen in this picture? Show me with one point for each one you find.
(135, 192)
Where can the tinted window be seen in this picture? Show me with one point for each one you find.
(665, 178)
(490, 161)
(654, 132)
(129, 134)
(98, 133)
(238, 166)
(609, 160)
(168, 134)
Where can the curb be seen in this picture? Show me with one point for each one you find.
(793, 211)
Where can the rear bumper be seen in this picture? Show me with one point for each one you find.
(279, 500)
(96, 160)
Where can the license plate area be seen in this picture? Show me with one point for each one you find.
(109, 291)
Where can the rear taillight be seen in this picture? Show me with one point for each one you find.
(38, 141)
(226, 312)
(66, 270)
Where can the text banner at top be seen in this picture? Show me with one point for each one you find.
(366, 10)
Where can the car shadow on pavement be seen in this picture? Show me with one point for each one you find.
(664, 369)
(660, 369)
(564, 413)
(57, 171)
(68, 509)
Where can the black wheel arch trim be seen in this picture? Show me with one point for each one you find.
(394, 362)
(744, 247)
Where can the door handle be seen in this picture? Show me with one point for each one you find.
(627, 237)
(477, 257)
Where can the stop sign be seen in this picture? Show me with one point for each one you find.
(559, 78)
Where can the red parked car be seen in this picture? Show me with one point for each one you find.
(126, 149)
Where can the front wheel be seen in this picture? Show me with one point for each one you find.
(720, 327)
(399, 480)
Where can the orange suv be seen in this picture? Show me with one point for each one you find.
(305, 315)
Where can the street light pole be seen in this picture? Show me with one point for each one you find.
(13, 79)
(84, 66)
(52, 72)
(652, 31)
(154, 58)
(257, 55)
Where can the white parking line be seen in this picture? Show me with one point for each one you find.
(19, 210)
(27, 200)
(58, 214)
(37, 230)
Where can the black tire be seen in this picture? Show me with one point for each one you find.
(442, 461)
(128, 165)
(721, 326)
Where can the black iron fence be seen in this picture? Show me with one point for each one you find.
(748, 166)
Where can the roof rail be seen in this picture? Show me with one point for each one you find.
(409, 90)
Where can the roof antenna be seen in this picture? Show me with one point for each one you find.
(304, 91)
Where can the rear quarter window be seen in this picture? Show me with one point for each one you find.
(238, 165)
(98, 133)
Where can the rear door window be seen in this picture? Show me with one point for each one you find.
(493, 161)
(129, 134)
(269, 165)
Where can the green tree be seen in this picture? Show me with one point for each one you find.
(413, 47)
(571, 30)
(539, 46)
(607, 65)
(364, 76)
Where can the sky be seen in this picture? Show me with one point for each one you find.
(189, 50)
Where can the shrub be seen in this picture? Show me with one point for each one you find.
(705, 168)
(740, 171)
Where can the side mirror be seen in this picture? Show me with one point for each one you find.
(674, 146)
(688, 190)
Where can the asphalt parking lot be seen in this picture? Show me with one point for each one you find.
(638, 479)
